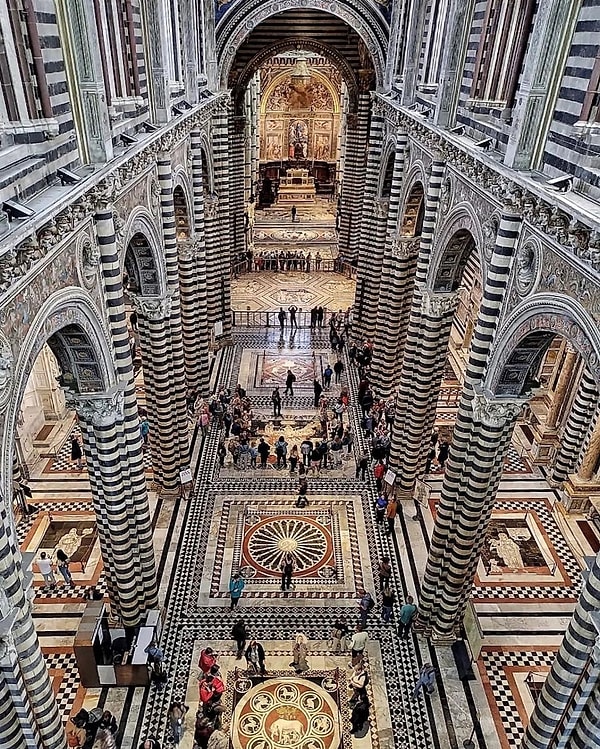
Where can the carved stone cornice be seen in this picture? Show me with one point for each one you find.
(102, 409)
(438, 305)
(495, 411)
(35, 238)
(405, 247)
(153, 307)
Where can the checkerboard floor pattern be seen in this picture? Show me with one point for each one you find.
(62, 463)
(69, 683)
(501, 696)
(513, 462)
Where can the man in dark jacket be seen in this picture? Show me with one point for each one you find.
(255, 657)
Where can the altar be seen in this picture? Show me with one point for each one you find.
(296, 187)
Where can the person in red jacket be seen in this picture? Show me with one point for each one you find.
(211, 689)
(207, 660)
(379, 472)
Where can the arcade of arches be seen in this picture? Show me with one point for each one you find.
(282, 294)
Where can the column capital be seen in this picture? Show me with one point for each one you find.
(381, 207)
(438, 305)
(98, 409)
(153, 307)
(493, 410)
(188, 249)
(405, 247)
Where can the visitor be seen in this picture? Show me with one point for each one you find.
(313, 318)
(150, 743)
(362, 466)
(176, 715)
(108, 722)
(289, 383)
(276, 401)
(315, 461)
(378, 473)
(219, 739)
(207, 660)
(255, 658)
(45, 567)
(203, 730)
(407, 615)
(210, 690)
(263, 450)
(318, 389)
(222, 454)
(240, 635)
(294, 212)
(287, 570)
(338, 368)
(380, 508)
(426, 681)
(144, 430)
(292, 310)
(385, 572)
(339, 633)
(300, 653)
(236, 587)
(281, 315)
(443, 451)
(281, 447)
(320, 316)
(388, 598)
(302, 500)
(62, 564)
(365, 605)
(358, 643)
(336, 451)
(327, 374)
(76, 452)
(360, 715)
(306, 447)
(390, 514)
(294, 457)
(358, 681)
(253, 450)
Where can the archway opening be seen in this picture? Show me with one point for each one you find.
(411, 224)
(182, 220)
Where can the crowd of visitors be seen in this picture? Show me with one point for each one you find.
(95, 729)
(282, 261)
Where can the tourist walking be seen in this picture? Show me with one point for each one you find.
(338, 368)
(255, 658)
(380, 508)
(240, 635)
(276, 401)
(236, 588)
(358, 643)
(300, 653)
(45, 567)
(207, 660)
(302, 500)
(327, 374)
(289, 383)
(443, 451)
(407, 615)
(385, 572)
(388, 598)
(76, 452)
(339, 632)
(318, 389)
(390, 514)
(287, 570)
(62, 564)
(426, 681)
(176, 714)
(365, 605)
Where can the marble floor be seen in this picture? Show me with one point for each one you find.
(239, 519)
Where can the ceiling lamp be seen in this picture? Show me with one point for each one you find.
(300, 72)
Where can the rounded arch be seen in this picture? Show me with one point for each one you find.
(241, 19)
(141, 259)
(71, 323)
(413, 210)
(386, 176)
(182, 205)
(525, 335)
(281, 76)
(459, 236)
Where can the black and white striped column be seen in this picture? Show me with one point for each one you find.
(130, 455)
(178, 386)
(415, 358)
(218, 230)
(566, 712)
(419, 388)
(373, 223)
(577, 426)
(480, 438)
(238, 163)
(29, 716)
(351, 200)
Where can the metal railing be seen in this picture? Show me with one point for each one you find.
(337, 265)
(250, 319)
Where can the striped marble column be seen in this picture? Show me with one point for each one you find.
(414, 358)
(566, 712)
(178, 387)
(419, 387)
(578, 424)
(130, 456)
(373, 222)
(218, 230)
(351, 201)
(480, 438)
(394, 296)
(29, 714)
(237, 168)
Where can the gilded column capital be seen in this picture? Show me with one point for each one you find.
(493, 410)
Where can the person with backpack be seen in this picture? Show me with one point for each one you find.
(281, 447)
(425, 682)
(365, 605)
